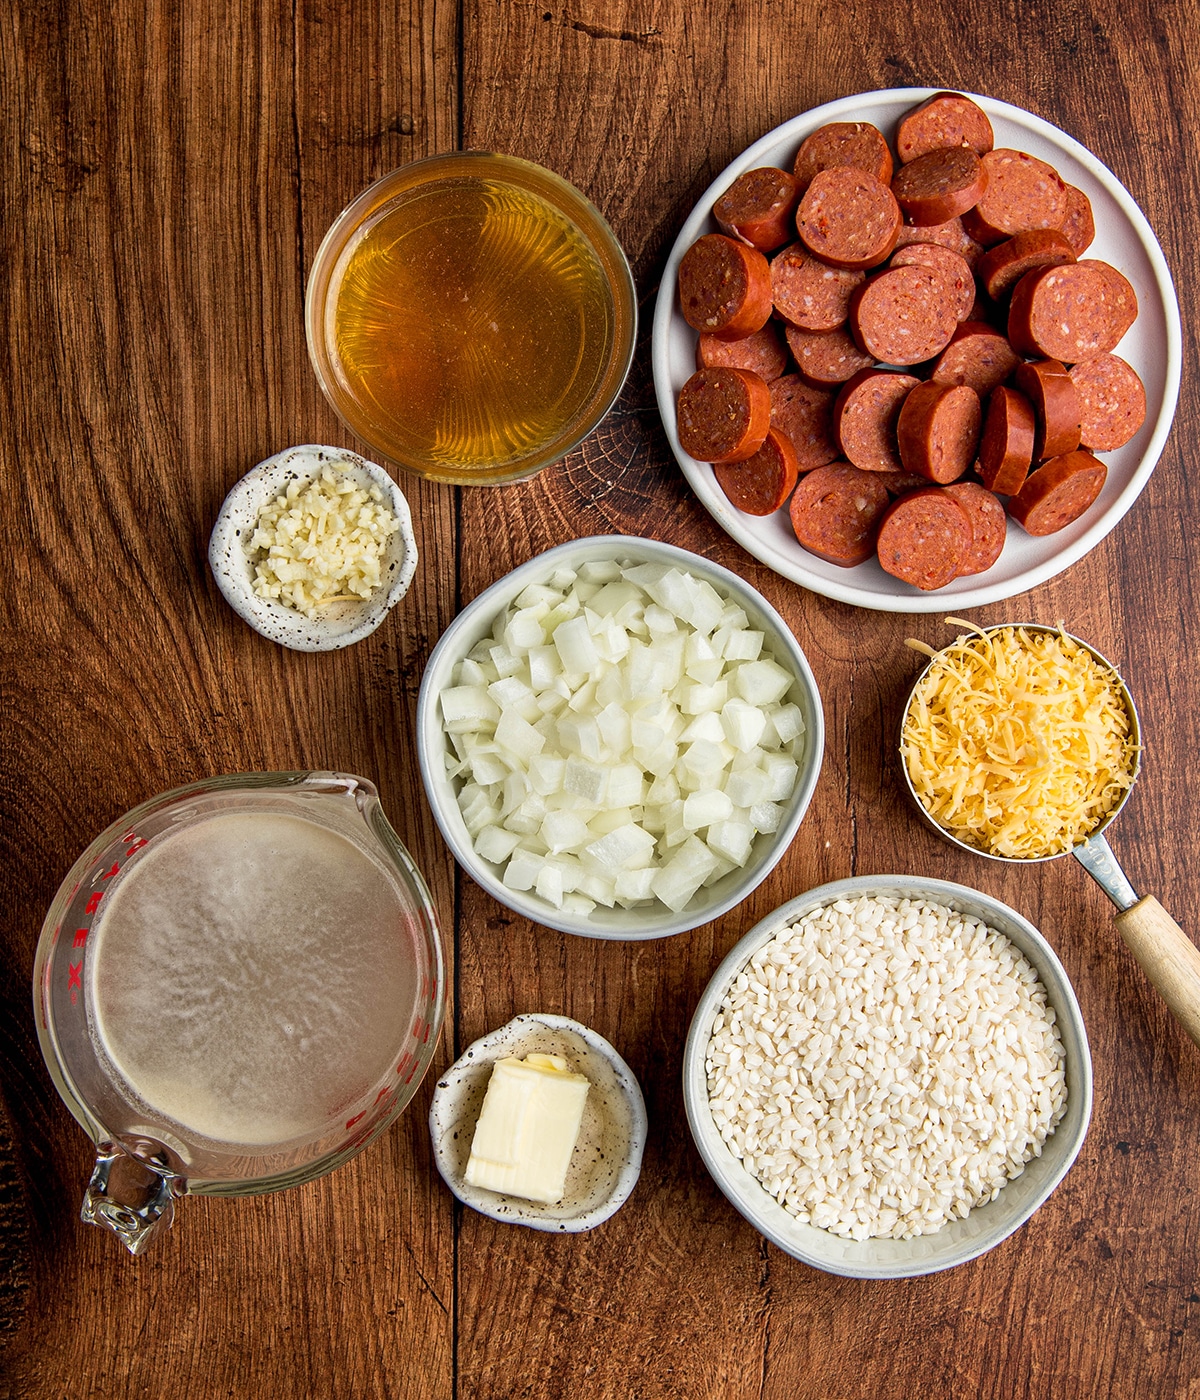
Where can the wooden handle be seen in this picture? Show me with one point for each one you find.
(1168, 957)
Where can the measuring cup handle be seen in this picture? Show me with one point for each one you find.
(133, 1200)
(1168, 957)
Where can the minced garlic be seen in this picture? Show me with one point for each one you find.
(320, 542)
(1018, 742)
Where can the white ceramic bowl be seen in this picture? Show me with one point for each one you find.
(612, 1137)
(1154, 346)
(960, 1240)
(340, 624)
(653, 920)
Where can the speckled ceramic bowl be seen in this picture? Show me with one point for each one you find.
(342, 623)
(608, 1156)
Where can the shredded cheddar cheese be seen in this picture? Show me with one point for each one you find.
(1018, 742)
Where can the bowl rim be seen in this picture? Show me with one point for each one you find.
(528, 1213)
(229, 561)
(745, 1193)
(431, 739)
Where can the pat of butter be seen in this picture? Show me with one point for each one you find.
(528, 1128)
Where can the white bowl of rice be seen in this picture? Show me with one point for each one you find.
(619, 739)
(888, 1075)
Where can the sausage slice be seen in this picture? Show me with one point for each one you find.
(946, 260)
(723, 415)
(1049, 388)
(826, 358)
(843, 143)
(989, 526)
(977, 355)
(1058, 493)
(1002, 267)
(760, 484)
(1006, 447)
(938, 430)
(835, 511)
(1071, 313)
(724, 287)
(947, 119)
(1022, 193)
(925, 538)
(940, 185)
(1112, 402)
(848, 218)
(808, 293)
(758, 208)
(1079, 228)
(763, 352)
(864, 418)
(904, 315)
(803, 414)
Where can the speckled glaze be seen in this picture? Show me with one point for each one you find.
(343, 623)
(612, 1137)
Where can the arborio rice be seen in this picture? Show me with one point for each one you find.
(884, 1065)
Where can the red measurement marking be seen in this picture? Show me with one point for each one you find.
(382, 1094)
(80, 938)
(403, 1065)
(108, 874)
(73, 971)
(74, 998)
(94, 903)
(357, 1117)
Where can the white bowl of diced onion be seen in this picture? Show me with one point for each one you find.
(619, 739)
(313, 547)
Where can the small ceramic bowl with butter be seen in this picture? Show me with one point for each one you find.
(313, 547)
(540, 1123)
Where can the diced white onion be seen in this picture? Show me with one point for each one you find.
(621, 738)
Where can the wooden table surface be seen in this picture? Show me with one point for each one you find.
(169, 172)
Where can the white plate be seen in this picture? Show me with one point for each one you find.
(1152, 347)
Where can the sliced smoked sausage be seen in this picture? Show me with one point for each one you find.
(723, 415)
(1002, 267)
(938, 430)
(1049, 388)
(1022, 193)
(1112, 402)
(759, 207)
(810, 294)
(1070, 313)
(760, 484)
(1006, 446)
(835, 511)
(946, 260)
(946, 119)
(977, 355)
(763, 352)
(826, 358)
(950, 235)
(904, 315)
(924, 538)
(940, 185)
(724, 287)
(804, 415)
(1079, 227)
(1058, 493)
(848, 218)
(843, 143)
(864, 418)
(989, 526)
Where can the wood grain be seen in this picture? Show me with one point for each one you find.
(171, 170)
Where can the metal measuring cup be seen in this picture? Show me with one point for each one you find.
(1166, 954)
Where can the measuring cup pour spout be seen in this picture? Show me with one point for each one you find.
(132, 1195)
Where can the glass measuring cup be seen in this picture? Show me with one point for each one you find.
(1166, 954)
(237, 987)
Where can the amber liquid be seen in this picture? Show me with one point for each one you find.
(471, 324)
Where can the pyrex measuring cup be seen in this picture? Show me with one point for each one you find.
(1167, 955)
(238, 985)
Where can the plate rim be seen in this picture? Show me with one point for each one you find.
(732, 522)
